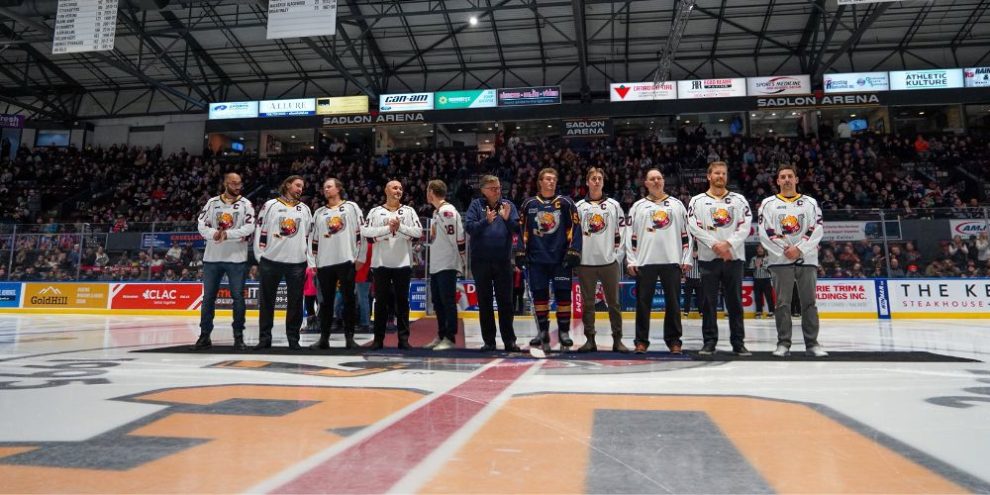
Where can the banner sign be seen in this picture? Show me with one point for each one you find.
(962, 296)
(642, 91)
(711, 88)
(587, 128)
(342, 105)
(164, 240)
(778, 85)
(966, 228)
(65, 295)
(859, 230)
(810, 101)
(234, 110)
(926, 79)
(855, 82)
(10, 294)
(287, 108)
(977, 77)
(406, 102)
(476, 98)
(162, 295)
(537, 95)
(8, 121)
(379, 119)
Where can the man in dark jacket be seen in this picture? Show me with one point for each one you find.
(493, 224)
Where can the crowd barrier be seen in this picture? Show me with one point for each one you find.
(837, 298)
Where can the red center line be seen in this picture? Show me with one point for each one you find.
(378, 462)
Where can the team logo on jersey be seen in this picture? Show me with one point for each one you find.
(547, 222)
(790, 224)
(596, 222)
(225, 220)
(287, 227)
(722, 217)
(335, 224)
(660, 219)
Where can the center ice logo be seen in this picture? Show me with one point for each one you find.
(722, 217)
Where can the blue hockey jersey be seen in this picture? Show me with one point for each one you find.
(550, 229)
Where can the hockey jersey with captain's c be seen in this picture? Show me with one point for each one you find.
(236, 219)
(603, 224)
(713, 219)
(337, 234)
(550, 228)
(794, 221)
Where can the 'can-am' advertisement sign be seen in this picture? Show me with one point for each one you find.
(406, 102)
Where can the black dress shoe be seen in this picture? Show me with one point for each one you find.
(264, 344)
(376, 345)
(487, 348)
(239, 345)
(351, 344)
(295, 346)
(202, 343)
(320, 344)
(512, 348)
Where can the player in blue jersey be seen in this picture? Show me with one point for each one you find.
(551, 248)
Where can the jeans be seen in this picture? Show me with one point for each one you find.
(213, 273)
(443, 286)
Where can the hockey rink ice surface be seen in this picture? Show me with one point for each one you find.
(82, 413)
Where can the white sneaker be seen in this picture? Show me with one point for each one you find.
(818, 351)
(781, 351)
(433, 343)
(444, 345)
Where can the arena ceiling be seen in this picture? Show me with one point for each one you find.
(175, 57)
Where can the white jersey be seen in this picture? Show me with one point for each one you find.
(712, 219)
(284, 231)
(446, 240)
(795, 221)
(603, 225)
(337, 234)
(392, 250)
(658, 233)
(236, 219)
